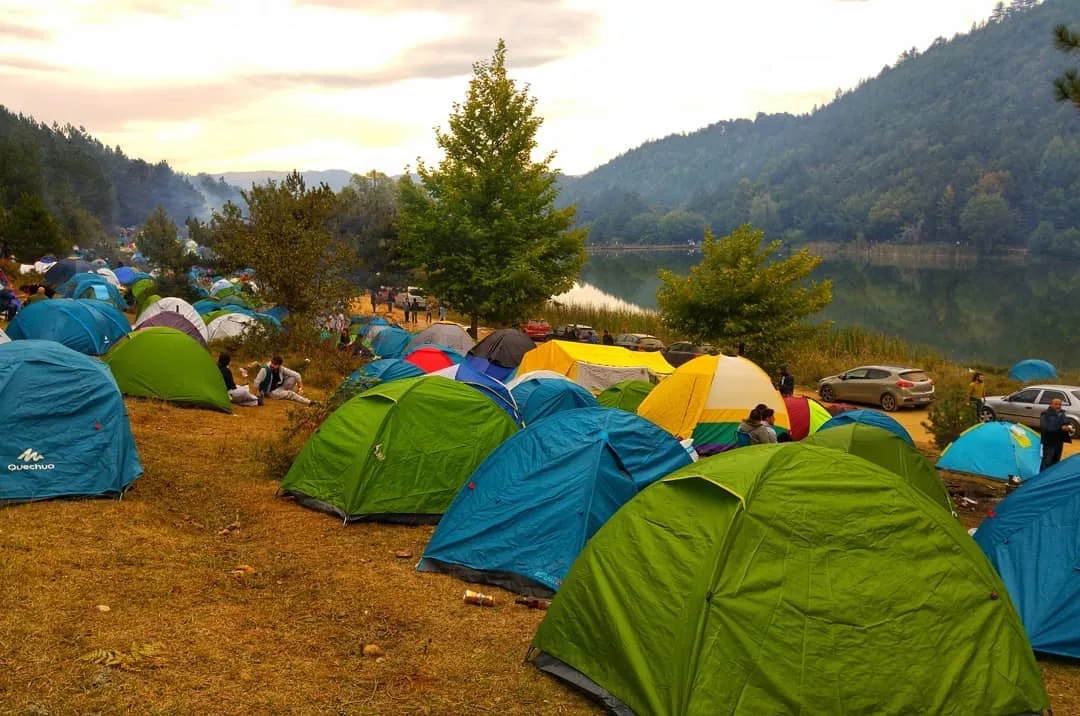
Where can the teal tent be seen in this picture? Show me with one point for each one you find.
(788, 579)
(399, 451)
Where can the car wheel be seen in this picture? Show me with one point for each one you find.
(1074, 425)
(888, 402)
(987, 415)
(827, 394)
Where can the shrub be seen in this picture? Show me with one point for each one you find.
(950, 415)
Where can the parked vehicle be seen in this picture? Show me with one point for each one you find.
(575, 332)
(408, 295)
(1026, 405)
(889, 386)
(678, 353)
(538, 329)
(639, 342)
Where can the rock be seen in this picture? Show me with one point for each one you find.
(403, 554)
(373, 650)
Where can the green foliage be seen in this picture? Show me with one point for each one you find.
(287, 239)
(951, 414)
(1067, 86)
(159, 242)
(483, 224)
(831, 350)
(741, 294)
(366, 221)
(31, 231)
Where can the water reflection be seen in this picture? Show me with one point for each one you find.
(989, 311)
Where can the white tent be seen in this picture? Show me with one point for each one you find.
(109, 276)
(175, 305)
(4, 337)
(230, 325)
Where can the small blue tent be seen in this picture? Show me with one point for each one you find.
(84, 325)
(487, 385)
(91, 285)
(1033, 540)
(206, 305)
(869, 417)
(1033, 369)
(278, 312)
(996, 450)
(384, 370)
(66, 430)
(125, 275)
(64, 269)
(539, 397)
(530, 507)
(482, 365)
(390, 342)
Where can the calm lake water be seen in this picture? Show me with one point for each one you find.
(985, 310)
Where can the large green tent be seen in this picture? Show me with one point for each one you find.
(399, 451)
(748, 583)
(626, 395)
(166, 363)
(890, 451)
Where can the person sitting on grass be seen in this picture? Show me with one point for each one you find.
(280, 383)
(241, 395)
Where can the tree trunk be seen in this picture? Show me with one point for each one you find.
(474, 326)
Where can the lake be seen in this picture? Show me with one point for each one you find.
(993, 311)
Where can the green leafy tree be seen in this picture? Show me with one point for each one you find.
(987, 221)
(741, 293)
(366, 221)
(31, 230)
(286, 237)
(159, 242)
(484, 224)
(1067, 86)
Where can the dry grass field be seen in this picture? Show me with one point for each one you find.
(201, 592)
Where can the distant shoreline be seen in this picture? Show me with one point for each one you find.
(850, 250)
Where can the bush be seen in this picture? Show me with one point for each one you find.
(951, 414)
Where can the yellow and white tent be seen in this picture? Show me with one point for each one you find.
(706, 398)
(595, 367)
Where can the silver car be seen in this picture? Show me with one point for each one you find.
(889, 386)
(1026, 405)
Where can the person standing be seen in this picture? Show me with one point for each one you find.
(442, 311)
(1056, 431)
(374, 301)
(280, 383)
(608, 339)
(406, 306)
(786, 383)
(415, 310)
(976, 393)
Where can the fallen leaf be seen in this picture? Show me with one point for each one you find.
(103, 607)
(243, 569)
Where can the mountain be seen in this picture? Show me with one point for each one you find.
(336, 179)
(963, 142)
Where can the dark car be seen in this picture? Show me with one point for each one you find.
(575, 332)
(678, 353)
(639, 342)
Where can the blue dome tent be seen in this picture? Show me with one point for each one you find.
(1033, 542)
(383, 370)
(390, 342)
(487, 385)
(83, 325)
(869, 417)
(91, 285)
(530, 507)
(1032, 369)
(66, 430)
(539, 397)
(996, 450)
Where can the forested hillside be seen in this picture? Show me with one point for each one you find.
(60, 186)
(963, 142)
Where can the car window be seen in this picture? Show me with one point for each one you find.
(915, 376)
(1024, 396)
(1076, 395)
(680, 347)
(625, 338)
(1048, 395)
(876, 374)
(857, 373)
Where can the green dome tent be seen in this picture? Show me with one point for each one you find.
(399, 451)
(888, 450)
(166, 363)
(747, 583)
(626, 395)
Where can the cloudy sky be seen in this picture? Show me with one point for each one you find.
(219, 85)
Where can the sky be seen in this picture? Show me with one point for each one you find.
(244, 85)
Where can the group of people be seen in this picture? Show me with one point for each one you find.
(274, 381)
(759, 428)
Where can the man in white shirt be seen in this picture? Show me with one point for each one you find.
(280, 383)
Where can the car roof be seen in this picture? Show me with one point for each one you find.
(1049, 387)
(885, 366)
(640, 335)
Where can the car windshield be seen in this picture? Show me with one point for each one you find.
(1076, 394)
(416, 291)
(915, 376)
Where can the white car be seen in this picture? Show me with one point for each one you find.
(412, 293)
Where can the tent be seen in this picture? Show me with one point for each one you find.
(531, 506)
(125, 275)
(4, 337)
(1033, 369)
(174, 305)
(64, 269)
(540, 397)
(1032, 539)
(399, 451)
(741, 584)
(886, 449)
(165, 363)
(595, 367)
(997, 450)
(504, 347)
(443, 333)
(66, 430)
(487, 385)
(383, 370)
(91, 285)
(179, 321)
(206, 305)
(83, 325)
(390, 342)
(431, 358)
(626, 395)
(231, 325)
(109, 276)
(706, 398)
(869, 417)
(806, 415)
